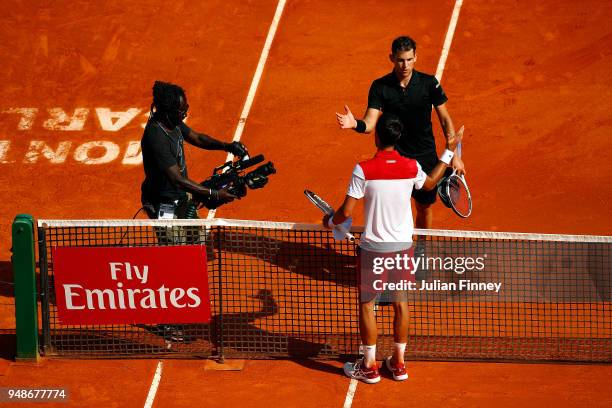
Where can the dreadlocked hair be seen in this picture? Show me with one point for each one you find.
(166, 97)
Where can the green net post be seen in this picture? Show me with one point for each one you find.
(24, 275)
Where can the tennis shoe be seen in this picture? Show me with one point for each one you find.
(359, 371)
(398, 370)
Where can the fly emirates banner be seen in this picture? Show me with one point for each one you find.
(102, 285)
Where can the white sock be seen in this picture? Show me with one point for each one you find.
(399, 351)
(369, 353)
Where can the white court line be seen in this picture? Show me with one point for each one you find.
(237, 135)
(154, 385)
(348, 401)
(448, 40)
(450, 32)
(254, 83)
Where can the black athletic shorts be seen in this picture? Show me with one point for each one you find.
(427, 162)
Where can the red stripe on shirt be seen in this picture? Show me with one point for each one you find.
(389, 165)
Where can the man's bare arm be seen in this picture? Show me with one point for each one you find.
(344, 212)
(434, 176)
(437, 173)
(449, 130)
(205, 142)
(210, 143)
(185, 184)
(347, 120)
(370, 118)
(445, 120)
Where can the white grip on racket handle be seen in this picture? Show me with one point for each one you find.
(346, 232)
(341, 228)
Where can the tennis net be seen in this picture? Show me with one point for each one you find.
(290, 290)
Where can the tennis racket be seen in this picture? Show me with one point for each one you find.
(328, 210)
(454, 192)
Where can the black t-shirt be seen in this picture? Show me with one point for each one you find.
(413, 106)
(162, 149)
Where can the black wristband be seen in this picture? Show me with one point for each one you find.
(361, 126)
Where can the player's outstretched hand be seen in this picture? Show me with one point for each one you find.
(346, 120)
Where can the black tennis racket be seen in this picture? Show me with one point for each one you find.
(328, 210)
(454, 192)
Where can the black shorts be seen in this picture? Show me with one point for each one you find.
(427, 162)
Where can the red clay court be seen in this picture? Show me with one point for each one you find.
(530, 81)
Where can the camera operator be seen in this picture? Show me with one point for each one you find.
(166, 184)
(166, 181)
